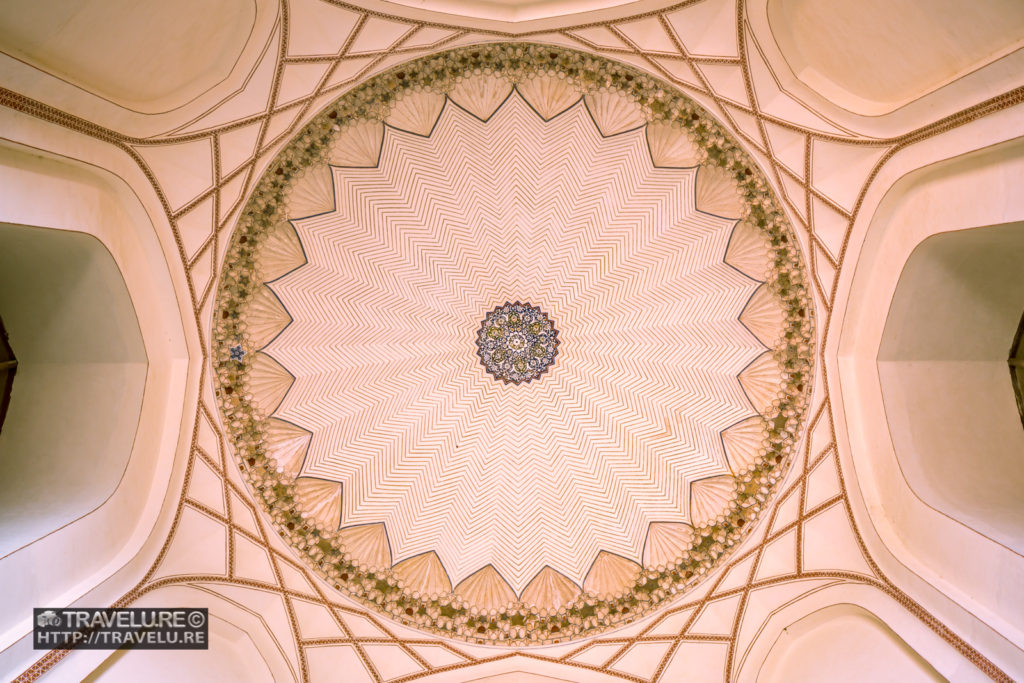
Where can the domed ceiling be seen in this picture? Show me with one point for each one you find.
(491, 349)
(501, 336)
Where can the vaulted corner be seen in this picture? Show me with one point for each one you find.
(87, 446)
(876, 56)
(952, 411)
(820, 641)
(937, 440)
(189, 48)
(74, 411)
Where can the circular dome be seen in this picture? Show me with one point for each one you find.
(513, 343)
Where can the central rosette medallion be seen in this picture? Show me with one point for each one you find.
(517, 343)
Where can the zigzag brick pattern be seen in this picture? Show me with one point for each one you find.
(399, 276)
(824, 232)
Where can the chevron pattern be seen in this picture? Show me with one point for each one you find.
(418, 249)
(709, 50)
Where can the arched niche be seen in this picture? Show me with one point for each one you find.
(843, 642)
(242, 646)
(81, 375)
(946, 562)
(846, 632)
(874, 56)
(148, 56)
(232, 655)
(945, 383)
(113, 258)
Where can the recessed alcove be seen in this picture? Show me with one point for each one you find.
(142, 54)
(942, 364)
(82, 367)
(873, 56)
(843, 642)
(231, 653)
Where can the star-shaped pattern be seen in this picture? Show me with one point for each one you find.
(386, 310)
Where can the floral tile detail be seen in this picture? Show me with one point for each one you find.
(517, 342)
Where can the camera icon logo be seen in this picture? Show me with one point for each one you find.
(47, 618)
